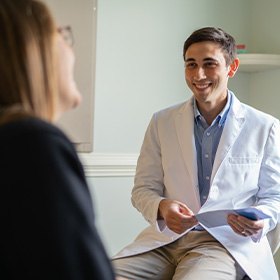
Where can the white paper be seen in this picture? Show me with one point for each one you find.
(218, 218)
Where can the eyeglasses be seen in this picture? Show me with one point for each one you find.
(67, 34)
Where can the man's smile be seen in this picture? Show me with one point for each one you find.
(201, 86)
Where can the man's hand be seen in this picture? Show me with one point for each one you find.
(244, 226)
(178, 217)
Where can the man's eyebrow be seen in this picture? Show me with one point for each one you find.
(210, 59)
(205, 59)
(189, 59)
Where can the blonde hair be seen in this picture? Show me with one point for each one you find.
(28, 79)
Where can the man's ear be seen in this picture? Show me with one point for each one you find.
(233, 67)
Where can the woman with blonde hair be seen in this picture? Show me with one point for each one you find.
(47, 220)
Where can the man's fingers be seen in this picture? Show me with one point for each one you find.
(185, 210)
(244, 226)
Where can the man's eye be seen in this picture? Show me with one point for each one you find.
(210, 64)
(190, 65)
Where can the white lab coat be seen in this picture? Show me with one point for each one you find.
(246, 172)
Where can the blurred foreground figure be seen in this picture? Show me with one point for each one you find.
(47, 220)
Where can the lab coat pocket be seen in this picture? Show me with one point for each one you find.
(243, 160)
(244, 170)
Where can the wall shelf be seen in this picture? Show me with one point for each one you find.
(254, 62)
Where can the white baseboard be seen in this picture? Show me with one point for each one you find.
(109, 165)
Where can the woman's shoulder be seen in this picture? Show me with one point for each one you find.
(33, 133)
(29, 127)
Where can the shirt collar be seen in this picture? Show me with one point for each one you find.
(222, 116)
(224, 112)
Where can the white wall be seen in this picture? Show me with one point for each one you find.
(264, 92)
(139, 61)
(118, 221)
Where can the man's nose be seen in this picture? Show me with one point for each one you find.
(199, 74)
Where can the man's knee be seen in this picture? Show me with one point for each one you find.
(143, 267)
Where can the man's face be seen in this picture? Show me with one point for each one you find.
(206, 72)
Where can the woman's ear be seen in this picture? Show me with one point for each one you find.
(233, 67)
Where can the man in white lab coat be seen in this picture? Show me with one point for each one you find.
(211, 152)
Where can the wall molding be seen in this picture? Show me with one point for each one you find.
(109, 165)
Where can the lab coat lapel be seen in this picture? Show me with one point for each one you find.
(232, 128)
(185, 132)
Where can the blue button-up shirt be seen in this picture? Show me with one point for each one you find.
(207, 139)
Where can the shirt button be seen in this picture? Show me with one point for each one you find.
(206, 156)
(208, 133)
(207, 177)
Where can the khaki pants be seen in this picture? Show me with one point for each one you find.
(195, 256)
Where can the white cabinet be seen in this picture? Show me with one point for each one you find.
(81, 16)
